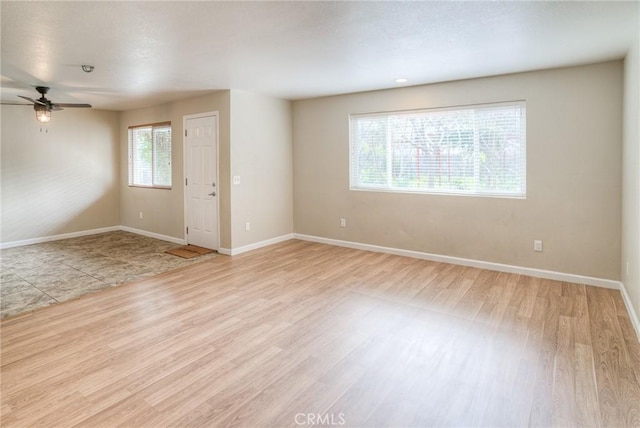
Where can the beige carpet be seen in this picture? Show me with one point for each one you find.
(38, 275)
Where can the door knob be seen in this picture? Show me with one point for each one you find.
(212, 194)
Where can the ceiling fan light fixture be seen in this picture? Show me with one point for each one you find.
(43, 106)
(43, 114)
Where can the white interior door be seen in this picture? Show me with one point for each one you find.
(201, 180)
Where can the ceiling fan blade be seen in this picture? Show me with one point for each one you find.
(32, 100)
(72, 105)
(14, 104)
(56, 107)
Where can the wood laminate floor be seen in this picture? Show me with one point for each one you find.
(300, 333)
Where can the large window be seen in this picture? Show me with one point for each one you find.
(471, 150)
(150, 155)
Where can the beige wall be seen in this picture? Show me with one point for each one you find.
(254, 143)
(163, 210)
(631, 178)
(74, 178)
(573, 175)
(261, 155)
(61, 181)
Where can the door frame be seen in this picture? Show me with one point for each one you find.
(185, 118)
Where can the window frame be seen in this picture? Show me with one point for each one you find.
(390, 189)
(130, 178)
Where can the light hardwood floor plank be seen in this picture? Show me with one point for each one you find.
(302, 330)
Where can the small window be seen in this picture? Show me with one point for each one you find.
(471, 150)
(150, 155)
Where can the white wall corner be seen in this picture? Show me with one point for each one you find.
(255, 246)
(178, 241)
(633, 316)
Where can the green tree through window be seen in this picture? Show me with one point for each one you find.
(467, 150)
(150, 155)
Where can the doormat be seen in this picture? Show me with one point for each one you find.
(189, 251)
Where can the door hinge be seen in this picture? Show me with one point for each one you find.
(186, 181)
(185, 132)
(187, 230)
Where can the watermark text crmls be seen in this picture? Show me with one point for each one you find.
(331, 419)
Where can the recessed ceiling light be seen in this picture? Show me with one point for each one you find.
(401, 80)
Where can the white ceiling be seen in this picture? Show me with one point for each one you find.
(146, 53)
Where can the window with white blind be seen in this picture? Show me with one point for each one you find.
(469, 150)
(150, 155)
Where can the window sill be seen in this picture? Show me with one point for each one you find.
(140, 186)
(443, 193)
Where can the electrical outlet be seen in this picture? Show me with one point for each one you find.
(537, 245)
(247, 226)
(343, 222)
(236, 179)
(141, 216)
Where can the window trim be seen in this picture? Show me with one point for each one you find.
(130, 156)
(387, 189)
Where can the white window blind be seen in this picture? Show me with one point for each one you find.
(150, 155)
(474, 150)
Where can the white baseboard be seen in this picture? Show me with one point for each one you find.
(633, 315)
(255, 246)
(538, 273)
(58, 237)
(91, 232)
(227, 251)
(153, 235)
